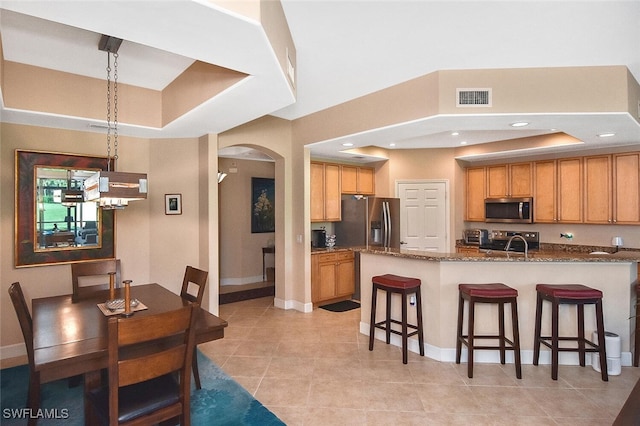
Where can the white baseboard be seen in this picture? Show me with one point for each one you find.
(485, 356)
(241, 281)
(12, 351)
(293, 304)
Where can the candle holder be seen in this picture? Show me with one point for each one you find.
(127, 298)
(112, 287)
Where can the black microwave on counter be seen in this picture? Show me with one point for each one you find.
(508, 210)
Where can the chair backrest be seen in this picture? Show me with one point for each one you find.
(24, 318)
(162, 345)
(193, 284)
(89, 277)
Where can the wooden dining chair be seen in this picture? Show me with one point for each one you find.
(89, 277)
(26, 324)
(193, 285)
(149, 370)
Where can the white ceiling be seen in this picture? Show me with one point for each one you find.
(345, 49)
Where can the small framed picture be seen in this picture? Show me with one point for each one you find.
(172, 203)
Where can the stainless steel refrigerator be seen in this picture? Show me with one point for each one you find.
(368, 221)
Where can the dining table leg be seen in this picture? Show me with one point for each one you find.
(92, 380)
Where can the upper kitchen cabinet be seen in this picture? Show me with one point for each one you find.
(626, 184)
(598, 207)
(358, 180)
(557, 191)
(475, 187)
(325, 192)
(509, 180)
(612, 189)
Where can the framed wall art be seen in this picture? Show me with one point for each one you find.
(173, 204)
(262, 205)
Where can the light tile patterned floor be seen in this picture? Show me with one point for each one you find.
(316, 369)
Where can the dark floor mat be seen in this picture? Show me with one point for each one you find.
(345, 305)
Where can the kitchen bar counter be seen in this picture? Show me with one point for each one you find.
(613, 274)
(502, 256)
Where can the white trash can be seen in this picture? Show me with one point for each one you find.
(613, 347)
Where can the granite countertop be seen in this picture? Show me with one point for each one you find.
(501, 256)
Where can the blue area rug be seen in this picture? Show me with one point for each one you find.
(221, 401)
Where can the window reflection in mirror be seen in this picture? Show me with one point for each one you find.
(63, 220)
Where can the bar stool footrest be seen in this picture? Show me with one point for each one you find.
(382, 326)
(594, 347)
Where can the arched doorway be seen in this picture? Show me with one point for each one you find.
(247, 226)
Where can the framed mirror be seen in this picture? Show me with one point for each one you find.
(53, 223)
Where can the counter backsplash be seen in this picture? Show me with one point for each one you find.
(571, 248)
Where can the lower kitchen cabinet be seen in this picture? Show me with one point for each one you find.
(332, 276)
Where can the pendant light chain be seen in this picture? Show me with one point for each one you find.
(108, 111)
(115, 110)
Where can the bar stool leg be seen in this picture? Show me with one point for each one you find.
(470, 339)
(516, 338)
(460, 321)
(601, 341)
(554, 339)
(388, 318)
(372, 325)
(405, 332)
(419, 315)
(581, 346)
(538, 330)
(501, 332)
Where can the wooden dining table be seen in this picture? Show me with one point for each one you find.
(70, 339)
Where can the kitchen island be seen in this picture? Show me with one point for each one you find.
(441, 273)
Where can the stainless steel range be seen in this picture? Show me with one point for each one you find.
(498, 240)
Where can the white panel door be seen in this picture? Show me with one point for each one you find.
(423, 215)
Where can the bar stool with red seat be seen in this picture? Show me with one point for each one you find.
(569, 294)
(499, 294)
(403, 286)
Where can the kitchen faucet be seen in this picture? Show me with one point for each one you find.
(526, 245)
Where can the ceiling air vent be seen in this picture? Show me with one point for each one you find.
(473, 97)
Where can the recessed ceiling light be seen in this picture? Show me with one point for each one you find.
(606, 135)
(463, 143)
(519, 124)
(392, 144)
(455, 133)
(347, 144)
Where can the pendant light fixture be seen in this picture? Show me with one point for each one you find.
(111, 189)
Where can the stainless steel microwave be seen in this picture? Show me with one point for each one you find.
(508, 210)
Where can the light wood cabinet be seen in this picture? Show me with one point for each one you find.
(569, 190)
(332, 276)
(358, 180)
(598, 189)
(612, 189)
(509, 180)
(325, 192)
(598, 206)
(626, 184)
(475, 193)
(544, 192)
(557, 192)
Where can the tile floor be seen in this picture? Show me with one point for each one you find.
(316, 369)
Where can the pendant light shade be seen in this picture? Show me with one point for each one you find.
(115, 189)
